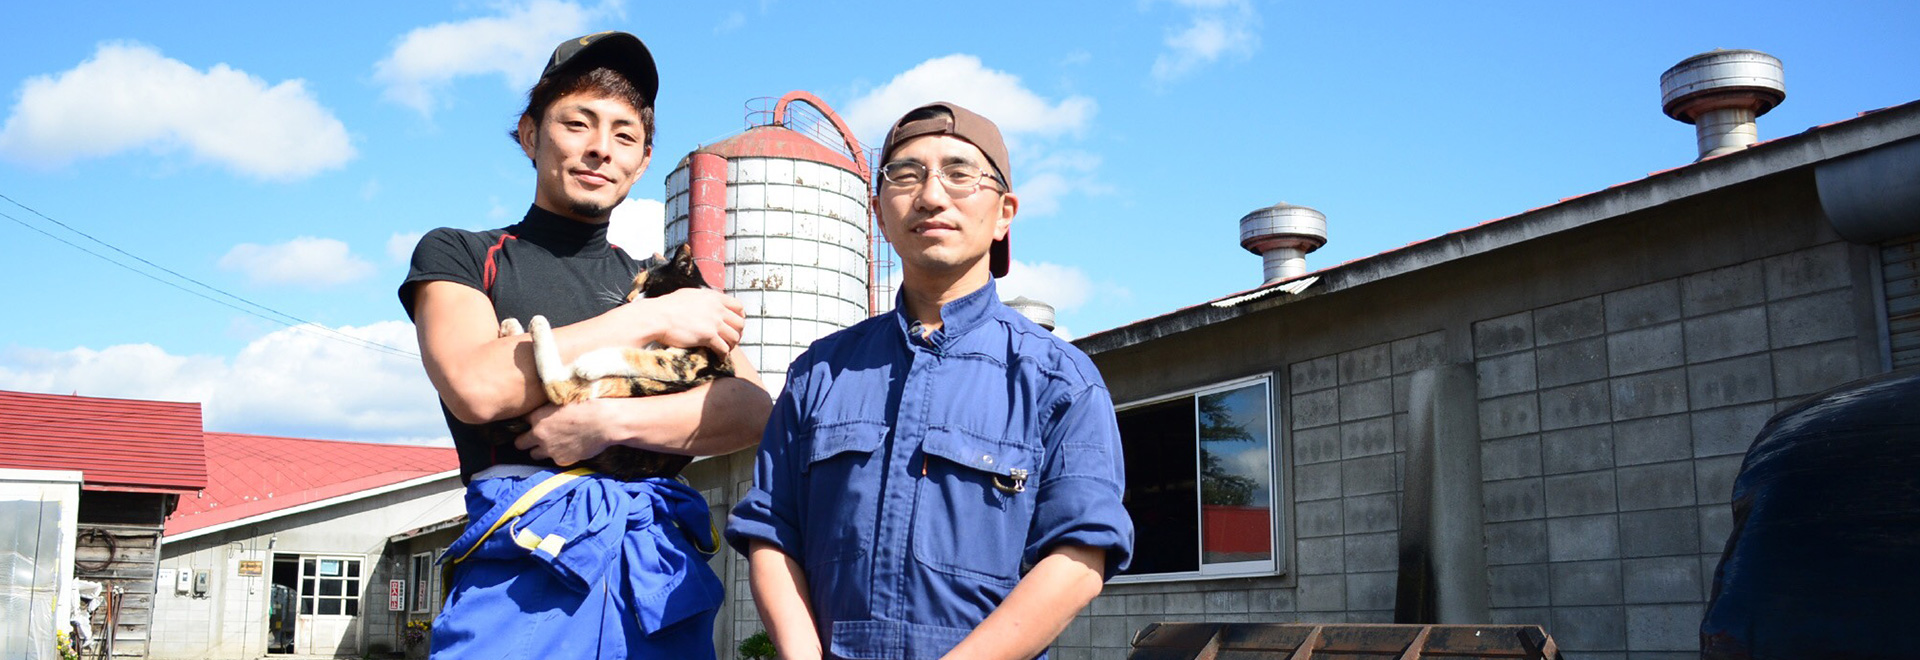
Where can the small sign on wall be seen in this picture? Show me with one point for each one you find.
(396, 594)
(166, 577)
(250, 567)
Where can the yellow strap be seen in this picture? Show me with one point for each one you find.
(525, 502)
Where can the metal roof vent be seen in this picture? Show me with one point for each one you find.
(1038, 312)
(1283, 234)
(1722, 92)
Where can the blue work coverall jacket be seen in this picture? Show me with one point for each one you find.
(916, 479)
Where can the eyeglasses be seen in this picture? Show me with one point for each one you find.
(959, 178)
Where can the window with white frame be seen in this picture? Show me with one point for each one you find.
(422, 581)
(330, 586)
(1200, 481)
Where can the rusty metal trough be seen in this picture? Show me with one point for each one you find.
(1350, 641)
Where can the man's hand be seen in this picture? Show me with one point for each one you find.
(692, 318)
(567, 434)
(1040, 606)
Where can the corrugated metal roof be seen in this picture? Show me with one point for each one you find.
(118, 444)
(254, 475)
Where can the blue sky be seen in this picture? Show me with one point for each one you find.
(290, 153)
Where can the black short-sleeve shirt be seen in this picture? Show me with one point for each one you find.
(546, 264)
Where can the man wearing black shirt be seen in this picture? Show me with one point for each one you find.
(588, 130)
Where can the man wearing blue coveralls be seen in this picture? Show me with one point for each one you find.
(943, 480)
(559, 563)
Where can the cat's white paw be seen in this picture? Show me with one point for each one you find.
(604, 363)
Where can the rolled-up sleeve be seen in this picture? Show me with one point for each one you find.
(771, 510)
(1082, 481)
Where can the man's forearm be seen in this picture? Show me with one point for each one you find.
(483, 377)
(1039, 608)
(780, 592)
(720, 417)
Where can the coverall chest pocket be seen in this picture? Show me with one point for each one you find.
(974, 505)
(842, 482)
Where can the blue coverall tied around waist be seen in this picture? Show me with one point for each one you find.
(593, 567)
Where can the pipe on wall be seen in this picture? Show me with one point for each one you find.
(1443, 557)
(707, 216)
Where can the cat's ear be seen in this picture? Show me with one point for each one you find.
(683, 260)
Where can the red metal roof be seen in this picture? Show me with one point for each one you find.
(778, 142)
(259, 474)
(117, 444)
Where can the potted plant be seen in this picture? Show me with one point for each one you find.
(415, 636)
(757, 646)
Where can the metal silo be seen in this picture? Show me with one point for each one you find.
(778, 217)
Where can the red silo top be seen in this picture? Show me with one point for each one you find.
(777, 142)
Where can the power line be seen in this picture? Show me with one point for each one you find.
(285, 319)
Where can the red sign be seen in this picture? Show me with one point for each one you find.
(396, 593)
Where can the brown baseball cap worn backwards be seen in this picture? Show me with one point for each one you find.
(949, 119)
(622, 52)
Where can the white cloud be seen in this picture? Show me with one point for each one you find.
(400, 246)
(140, 371)
(962, 79)
(1053, 176)
(1250, 461)
(733, 21)
(1215, 29)
(339, 385)
(1066, 288)
(1212, 4)
(639, 226)
(497, 211)
(307, 261)
(290, 382)
(1063, 287)
(129, 96)
(1043, 176)
(514, 44)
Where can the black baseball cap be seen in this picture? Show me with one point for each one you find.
(622, 52)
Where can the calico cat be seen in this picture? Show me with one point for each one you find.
(628, 372)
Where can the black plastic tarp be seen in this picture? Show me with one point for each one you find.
(1824, 558)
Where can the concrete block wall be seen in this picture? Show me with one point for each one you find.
(1106, 627)
(1344, 417)
(739, 619)
(182, 623)
(220, 623)
(1611, 430)
(1349, 425)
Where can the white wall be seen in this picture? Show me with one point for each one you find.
(230, 620)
